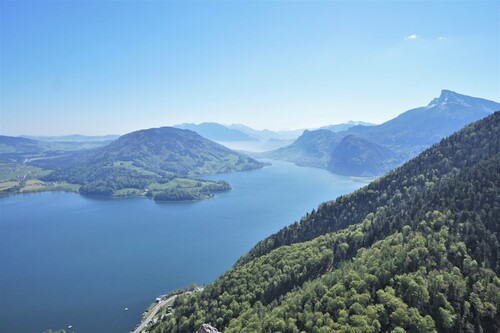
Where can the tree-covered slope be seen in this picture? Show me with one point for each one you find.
(140, 158)
(10, 144)
(182, 152)
(416, 251)
(312, 148)
(355, 156)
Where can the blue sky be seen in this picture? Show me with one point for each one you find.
(102, 67)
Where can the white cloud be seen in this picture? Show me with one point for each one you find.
(411, 37)
(442, 38)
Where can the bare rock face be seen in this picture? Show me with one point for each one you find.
(206, 328)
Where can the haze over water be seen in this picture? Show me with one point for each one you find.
(73, 260)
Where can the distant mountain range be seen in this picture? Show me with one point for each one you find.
(238, 132)
(72, 138)
(265, 134)
(19, 148)
(354, 148)
(385, 146)
(344, 127)
(217, 132)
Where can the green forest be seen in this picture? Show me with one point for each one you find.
(415, 251)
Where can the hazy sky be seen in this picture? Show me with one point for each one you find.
(102, 67)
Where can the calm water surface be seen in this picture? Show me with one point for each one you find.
(70, 260)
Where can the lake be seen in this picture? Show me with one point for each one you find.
(67, 260)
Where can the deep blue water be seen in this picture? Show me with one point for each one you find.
(66, 259)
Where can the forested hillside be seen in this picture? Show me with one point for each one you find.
(312, 148)
(358, 157)
(415, 251)
(139, 159)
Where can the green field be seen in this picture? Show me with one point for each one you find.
(127, 192)
(4, 186)
(17, 172)
(128, 165)
(36, 185)
(178, 183)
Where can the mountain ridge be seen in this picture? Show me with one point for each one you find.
(405, 135)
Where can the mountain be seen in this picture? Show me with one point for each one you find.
(354, 156)
(10, 144)
(345, 126)
(265, 134)
(72, 138)
(17, 149)
(427, 125)
(217, 132)
(177, 151)
(258, 134)
(227, 134)
(145, 159)
(415, 251)
(405, 136)
(312, 148)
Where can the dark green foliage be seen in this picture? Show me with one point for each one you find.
(176, 194)
(191, 194)
(220, 186)
(416, 251)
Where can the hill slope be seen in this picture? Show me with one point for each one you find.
(312, 148)
(15, 145)
(143, 157)
(354, 156)
(415, 251)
